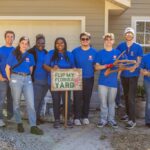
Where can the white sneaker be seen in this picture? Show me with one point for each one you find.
(2, 124)
(77, 122)
(86, 121)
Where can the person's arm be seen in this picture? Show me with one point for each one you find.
(47, 68)
(132, 69)
(31, 69)
(145, 72)
(99, 67)
(8, 72)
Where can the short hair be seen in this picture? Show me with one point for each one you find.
(85, 34)
(9, 31)
(40, 36)
(109, 35)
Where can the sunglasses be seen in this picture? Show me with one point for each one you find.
(85, 39)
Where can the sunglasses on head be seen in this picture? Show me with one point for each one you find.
(85, 39)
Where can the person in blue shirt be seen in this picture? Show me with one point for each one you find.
(59, 58)
(19, 67)
(39, 75)
(107, 85)
(129, 78)
(145, 71)
(84, 56)
(4, 84)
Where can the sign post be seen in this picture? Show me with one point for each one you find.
(66, 80)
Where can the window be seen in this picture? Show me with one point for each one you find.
(142, 30)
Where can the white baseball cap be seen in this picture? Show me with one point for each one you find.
(129, 29)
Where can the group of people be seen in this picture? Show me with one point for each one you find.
(27, 71)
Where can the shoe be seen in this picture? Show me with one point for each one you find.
(2, 124)
(116, 106)
(57, 124)
(36, 130)
(69, 124)
(113, 124)
(77, 122)
(125, 118)
(86, 121)
(101, 124)
(121, 105)
(130, 124)
(20, 128)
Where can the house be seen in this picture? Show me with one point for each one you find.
(69, 18)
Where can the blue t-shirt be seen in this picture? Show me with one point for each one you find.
(4, 53)
(104, 57)
(24, 67)
(84, 59)
(40, 73)
(61, 63)
(145, 64)
(134, 51)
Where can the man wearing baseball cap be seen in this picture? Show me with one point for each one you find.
(129, 78)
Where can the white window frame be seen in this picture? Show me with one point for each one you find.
(136, 19)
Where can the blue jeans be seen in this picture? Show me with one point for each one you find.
(40, 89)
(147, 110)
(107, 97)
(5, 92)
(119, 93)
(23, 84)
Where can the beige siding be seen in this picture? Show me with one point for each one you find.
(117, 24)
(92, 10)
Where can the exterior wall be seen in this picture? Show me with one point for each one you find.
(92, 10)
(117, 24)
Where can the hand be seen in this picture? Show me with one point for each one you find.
(144, 72)
(3, 79)
(109, 66)
(55, 67)
(132, 69)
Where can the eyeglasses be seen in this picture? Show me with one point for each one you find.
(85, 39)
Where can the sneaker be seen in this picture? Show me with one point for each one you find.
(113, 124)
(69, 124)
(86, 121)
(20, 128)
(2, 124)
(116, 106)
(121, 105)
(130, 124)
(125, 118)
(57, 124)
(36, 130)
(77, 122)
(101, 124)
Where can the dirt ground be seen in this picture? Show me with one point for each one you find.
(79, 138)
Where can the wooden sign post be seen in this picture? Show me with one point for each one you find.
(66, 80)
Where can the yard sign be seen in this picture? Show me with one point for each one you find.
(66, 80)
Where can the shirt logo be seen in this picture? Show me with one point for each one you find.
(27, 60)
(90, 57)
(114, 57)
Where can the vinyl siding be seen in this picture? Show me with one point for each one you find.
(92, 10)
(117, 24)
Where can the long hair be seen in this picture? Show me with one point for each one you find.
(55, 57)
(17, 51)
